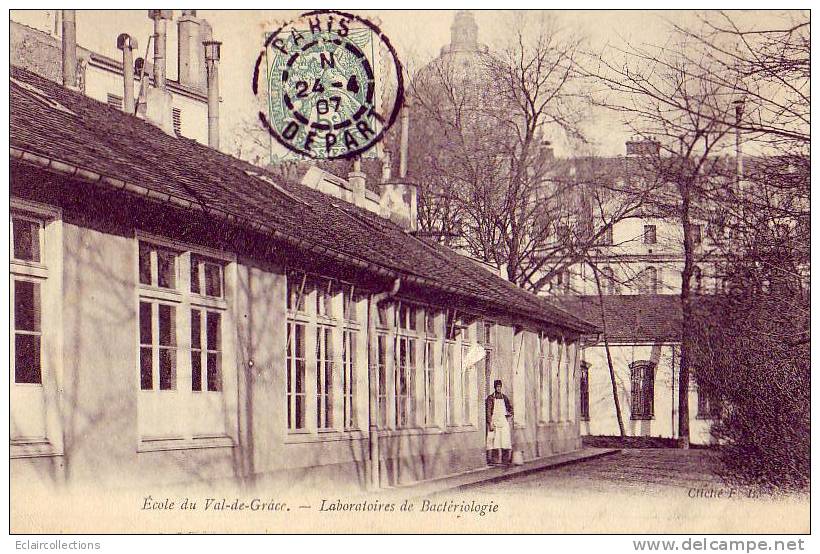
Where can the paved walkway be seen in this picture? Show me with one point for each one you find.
(488, 476)
(645, 471)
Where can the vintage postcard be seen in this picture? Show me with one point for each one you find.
(409, 271)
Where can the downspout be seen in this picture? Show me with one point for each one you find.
(372, 469)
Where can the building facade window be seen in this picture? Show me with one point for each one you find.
(450, 394)
(324, 376)
(405, 367)
(296, 393)
(35, 250)
(583, 386)
(325, 357)
(650, 234)
(642, 378)
(430, 382)
(649, 281)
(708, 406)
(544, 378)
(182, 310)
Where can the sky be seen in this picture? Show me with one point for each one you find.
(417, 35)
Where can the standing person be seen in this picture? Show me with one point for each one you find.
(499, 435)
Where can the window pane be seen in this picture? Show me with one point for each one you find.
(146, 369)
(196, 370)
(26, 306)
(26, 240)
(214, 332)
(167, 325)
(166, 270)
(167, 369)
(300, 412)
(194, 274)
(214, 371)
(146, 310)
(27, 359)
(196, 329)
(145, 264)
(300, 376)
(213, 280)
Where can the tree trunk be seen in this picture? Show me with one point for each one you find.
(686, 311)
(608, 353)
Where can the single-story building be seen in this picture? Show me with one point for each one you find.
(180, 315)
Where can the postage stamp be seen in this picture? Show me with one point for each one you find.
(321, 86)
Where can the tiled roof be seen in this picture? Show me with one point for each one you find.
(68, 127)
(638, 317)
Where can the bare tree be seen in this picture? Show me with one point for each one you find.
(709, 84)
(484, 170)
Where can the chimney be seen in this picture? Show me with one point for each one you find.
(404, 140)
(157, 98)
(638, 147)
(160, 18)
(127, 44)
(358, 181)
(386, 169)
(69, 50)
(192, 32)
(212, 52)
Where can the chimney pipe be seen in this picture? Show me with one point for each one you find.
(403, 147)
(69, 49)
(160, 18)
(212, 53)
(127, 44)
(191, 32)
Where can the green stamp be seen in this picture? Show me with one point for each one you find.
(322, 92)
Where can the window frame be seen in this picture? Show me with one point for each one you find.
(650, 234)
(642, 396)
(583, 391)
(47, 272)
(185, 435)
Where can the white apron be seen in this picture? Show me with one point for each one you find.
(500, 438)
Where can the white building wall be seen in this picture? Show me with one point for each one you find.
(602, 418)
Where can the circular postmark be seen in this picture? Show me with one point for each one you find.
(334, 84)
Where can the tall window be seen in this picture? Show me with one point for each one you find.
(181, 313)
(349, 377)
(643, 389)
(584, 391)
(557, 359)
(650, 234)
(649, 281)
(381, 371)
(543, 378)
(28, 329)
(324, 377)
(430, 383)
(450, 383)
(708, 406)
(296, 394)
(405, 368)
